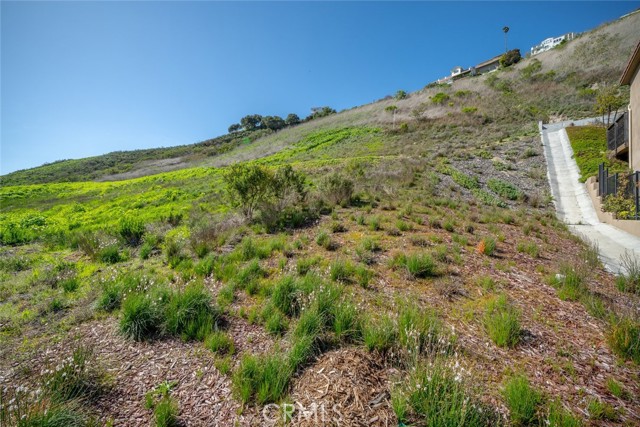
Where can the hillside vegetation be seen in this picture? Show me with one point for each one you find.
(389, 270)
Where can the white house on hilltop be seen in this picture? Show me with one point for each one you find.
(551, 42)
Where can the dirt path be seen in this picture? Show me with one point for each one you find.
(573, 203)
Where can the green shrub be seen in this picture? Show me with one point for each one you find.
(286, 296)
(131, 230)
(141, 318)
(505, 189)
(469, 110)
(337, 189)
(502, 322)
(190, 314)
(522, 400)
(401, 94)
(219, 342)
(302, 351)
(440, 98)
(166, 413)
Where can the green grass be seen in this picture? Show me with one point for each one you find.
(190, 313)
(380, 334)
(342, 271)
(502, 322)
(561, 417)
(435, 394)
(286, 296)
(141, 317)
(416, 265)
(624, 339)
(76, 377)
(220, 343)
(522, 400)
(599, 410)
(589, 145)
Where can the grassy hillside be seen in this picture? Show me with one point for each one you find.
(417, 274)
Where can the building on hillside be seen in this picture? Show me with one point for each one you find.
(551, 42)
(460, 72)
(630, 77)
(486, 66)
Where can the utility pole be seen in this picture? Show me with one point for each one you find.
(506, 30)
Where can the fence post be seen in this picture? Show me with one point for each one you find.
(615, 184)
(600, 167)
(636, 191)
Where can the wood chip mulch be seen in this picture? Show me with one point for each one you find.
(349, 388)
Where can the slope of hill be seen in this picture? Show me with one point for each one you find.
(423, 277)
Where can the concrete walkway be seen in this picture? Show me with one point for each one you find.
(573, 203)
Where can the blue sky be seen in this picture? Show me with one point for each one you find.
(86, 78)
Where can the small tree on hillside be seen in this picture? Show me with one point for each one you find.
(255, 187)
(234, 128)
(609, 100)
(247, 187)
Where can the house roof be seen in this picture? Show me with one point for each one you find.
(490, 61)
(632, 66)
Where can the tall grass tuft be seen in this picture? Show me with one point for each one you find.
(191, 314)
(141, 318)
(502, 322)
(522, 400)
(436, 395)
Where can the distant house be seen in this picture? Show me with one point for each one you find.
(459, 72)
(486, 66)
(630, 77)
(551, 42)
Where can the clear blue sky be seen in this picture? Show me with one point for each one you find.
(86, 78)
